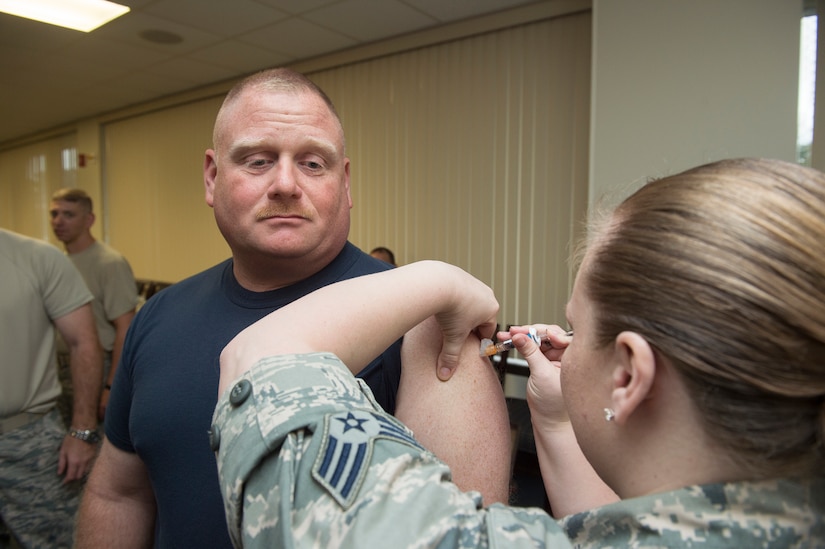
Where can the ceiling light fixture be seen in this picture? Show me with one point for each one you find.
(82, 15)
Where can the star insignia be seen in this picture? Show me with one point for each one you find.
(352, 422)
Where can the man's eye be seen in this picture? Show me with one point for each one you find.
(257, 163)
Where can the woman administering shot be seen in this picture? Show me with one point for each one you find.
(686, 409)
(695, 378)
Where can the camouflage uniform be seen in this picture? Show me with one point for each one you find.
(306, 458)
(36, 505)
(347, 473)
(775, 513)
(39, 285)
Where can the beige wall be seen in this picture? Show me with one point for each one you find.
(28, 177)
(153, 173)
(677, 84)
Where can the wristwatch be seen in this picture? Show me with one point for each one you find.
(86, 435)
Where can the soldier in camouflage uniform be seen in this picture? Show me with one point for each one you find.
(307, 459)
(41, 465)
(713, 395)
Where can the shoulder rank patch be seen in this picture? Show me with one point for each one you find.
(346, 450)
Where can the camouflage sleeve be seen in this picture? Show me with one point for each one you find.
(307, 458)
(770, 513)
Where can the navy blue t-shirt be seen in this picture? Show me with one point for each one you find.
(166, 387)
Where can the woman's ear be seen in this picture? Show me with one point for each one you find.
(633, 376)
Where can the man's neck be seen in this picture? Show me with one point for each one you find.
(261, 274)
(258, 281)
(79, 244)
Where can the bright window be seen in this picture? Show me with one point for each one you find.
(807, 89)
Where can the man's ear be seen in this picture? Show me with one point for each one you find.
(210, 170)
(634, 374)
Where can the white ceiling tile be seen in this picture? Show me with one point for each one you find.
(13, 59)
(28, 34)
(141, 83)
(94, 52)
(62, 73)
(85, 104)
(298, 38)
(136, 4)
(220, 18)
(128, 29)
(49, 113)
(454, 10)
(368, 20)
(191, 71)
(297, 7)
(244, 58)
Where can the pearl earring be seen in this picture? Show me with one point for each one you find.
(609, 414)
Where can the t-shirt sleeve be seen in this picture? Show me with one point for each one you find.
(119, 289)
(61, 285)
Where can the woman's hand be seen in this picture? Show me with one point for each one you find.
(544, 395)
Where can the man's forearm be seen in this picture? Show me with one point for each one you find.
(87, 373)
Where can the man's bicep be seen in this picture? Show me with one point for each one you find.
(122, 322)
(118, 506)
(77, 326)
(119, 473)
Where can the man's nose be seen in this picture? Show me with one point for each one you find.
(284, 181)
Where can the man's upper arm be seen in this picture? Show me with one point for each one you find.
(60, 283)
(118, 473)
(118, 506)
(463, 421)
(78, 326)
(122, 322)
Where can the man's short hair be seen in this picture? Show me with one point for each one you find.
(76, 196)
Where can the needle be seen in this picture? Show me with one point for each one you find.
(488, 348)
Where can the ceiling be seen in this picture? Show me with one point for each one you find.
(53, 76)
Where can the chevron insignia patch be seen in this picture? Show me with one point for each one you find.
(346, 451)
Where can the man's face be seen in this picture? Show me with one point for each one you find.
(69, 220)
(278, 179)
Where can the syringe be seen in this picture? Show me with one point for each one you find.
(488, 348)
